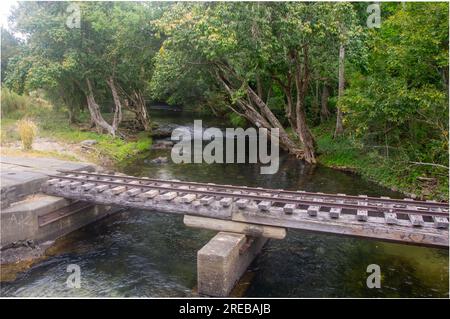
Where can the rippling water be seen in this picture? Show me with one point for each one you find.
(148, 254)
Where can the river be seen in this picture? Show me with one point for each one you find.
(149, 254)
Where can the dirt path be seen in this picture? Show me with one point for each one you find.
(45, 146)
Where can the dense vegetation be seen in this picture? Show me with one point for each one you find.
(340, 92)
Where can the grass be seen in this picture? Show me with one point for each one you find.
(13, 102)
(53, 124)
(27, 131)
(112, 147)
(393, 172)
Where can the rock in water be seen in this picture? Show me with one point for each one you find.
(162, 144)
(159, 160)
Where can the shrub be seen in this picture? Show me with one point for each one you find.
(27, 131)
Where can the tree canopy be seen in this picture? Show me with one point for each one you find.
(289, 65)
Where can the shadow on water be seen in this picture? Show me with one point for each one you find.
(148, 254)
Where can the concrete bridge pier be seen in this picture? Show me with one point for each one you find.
(223, 260)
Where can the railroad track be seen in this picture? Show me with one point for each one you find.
(269, 197)
(399, 220)
(374, 201)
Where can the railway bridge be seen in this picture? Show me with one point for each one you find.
(246, 216)
(398, 220)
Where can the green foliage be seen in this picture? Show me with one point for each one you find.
(401, 100)
(114, 40)
(9, 48)
(253, 44)
(121, 150)
(180, 83)
(351, 154)
(395, 102)
(15, 106)
(237, 120)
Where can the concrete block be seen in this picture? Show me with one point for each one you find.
(223, 260)
(16, 185)
(20, 220)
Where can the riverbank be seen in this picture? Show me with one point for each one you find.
(74, 142)
(395, 172)
(57, 139)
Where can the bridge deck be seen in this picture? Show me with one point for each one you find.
(399, 220)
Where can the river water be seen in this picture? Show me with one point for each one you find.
(149, 254)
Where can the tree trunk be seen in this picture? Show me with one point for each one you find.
(259, 87)
(274, 122)
(213, 110)
(117, 104)
(71, 110)
(141, 111)
(263, 118)
(301, 83)
(339, 126)
(315, 101)
(286, 142)
(289, 109)
(136, 104)
(290, 114)
(304, 134)
(72, 117)
(94, 110)
(324, 111)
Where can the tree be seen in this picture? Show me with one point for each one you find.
(131, 52)
(108, 57)
(401, 99)
(339, 126)
(10, 48)
(253, 51)
(346, 26)
(324, 110)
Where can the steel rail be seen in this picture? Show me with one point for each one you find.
(258, 197)
(368, 199)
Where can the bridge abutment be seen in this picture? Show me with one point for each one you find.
(30, 220)
(223, 260)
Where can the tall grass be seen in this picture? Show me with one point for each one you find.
(27, 131)
(15, 106)
(13, 102)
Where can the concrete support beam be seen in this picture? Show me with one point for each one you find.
(235, 227)
(223, 260)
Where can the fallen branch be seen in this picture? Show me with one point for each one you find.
(430, 164)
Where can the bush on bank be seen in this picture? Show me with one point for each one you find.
(396, 171)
